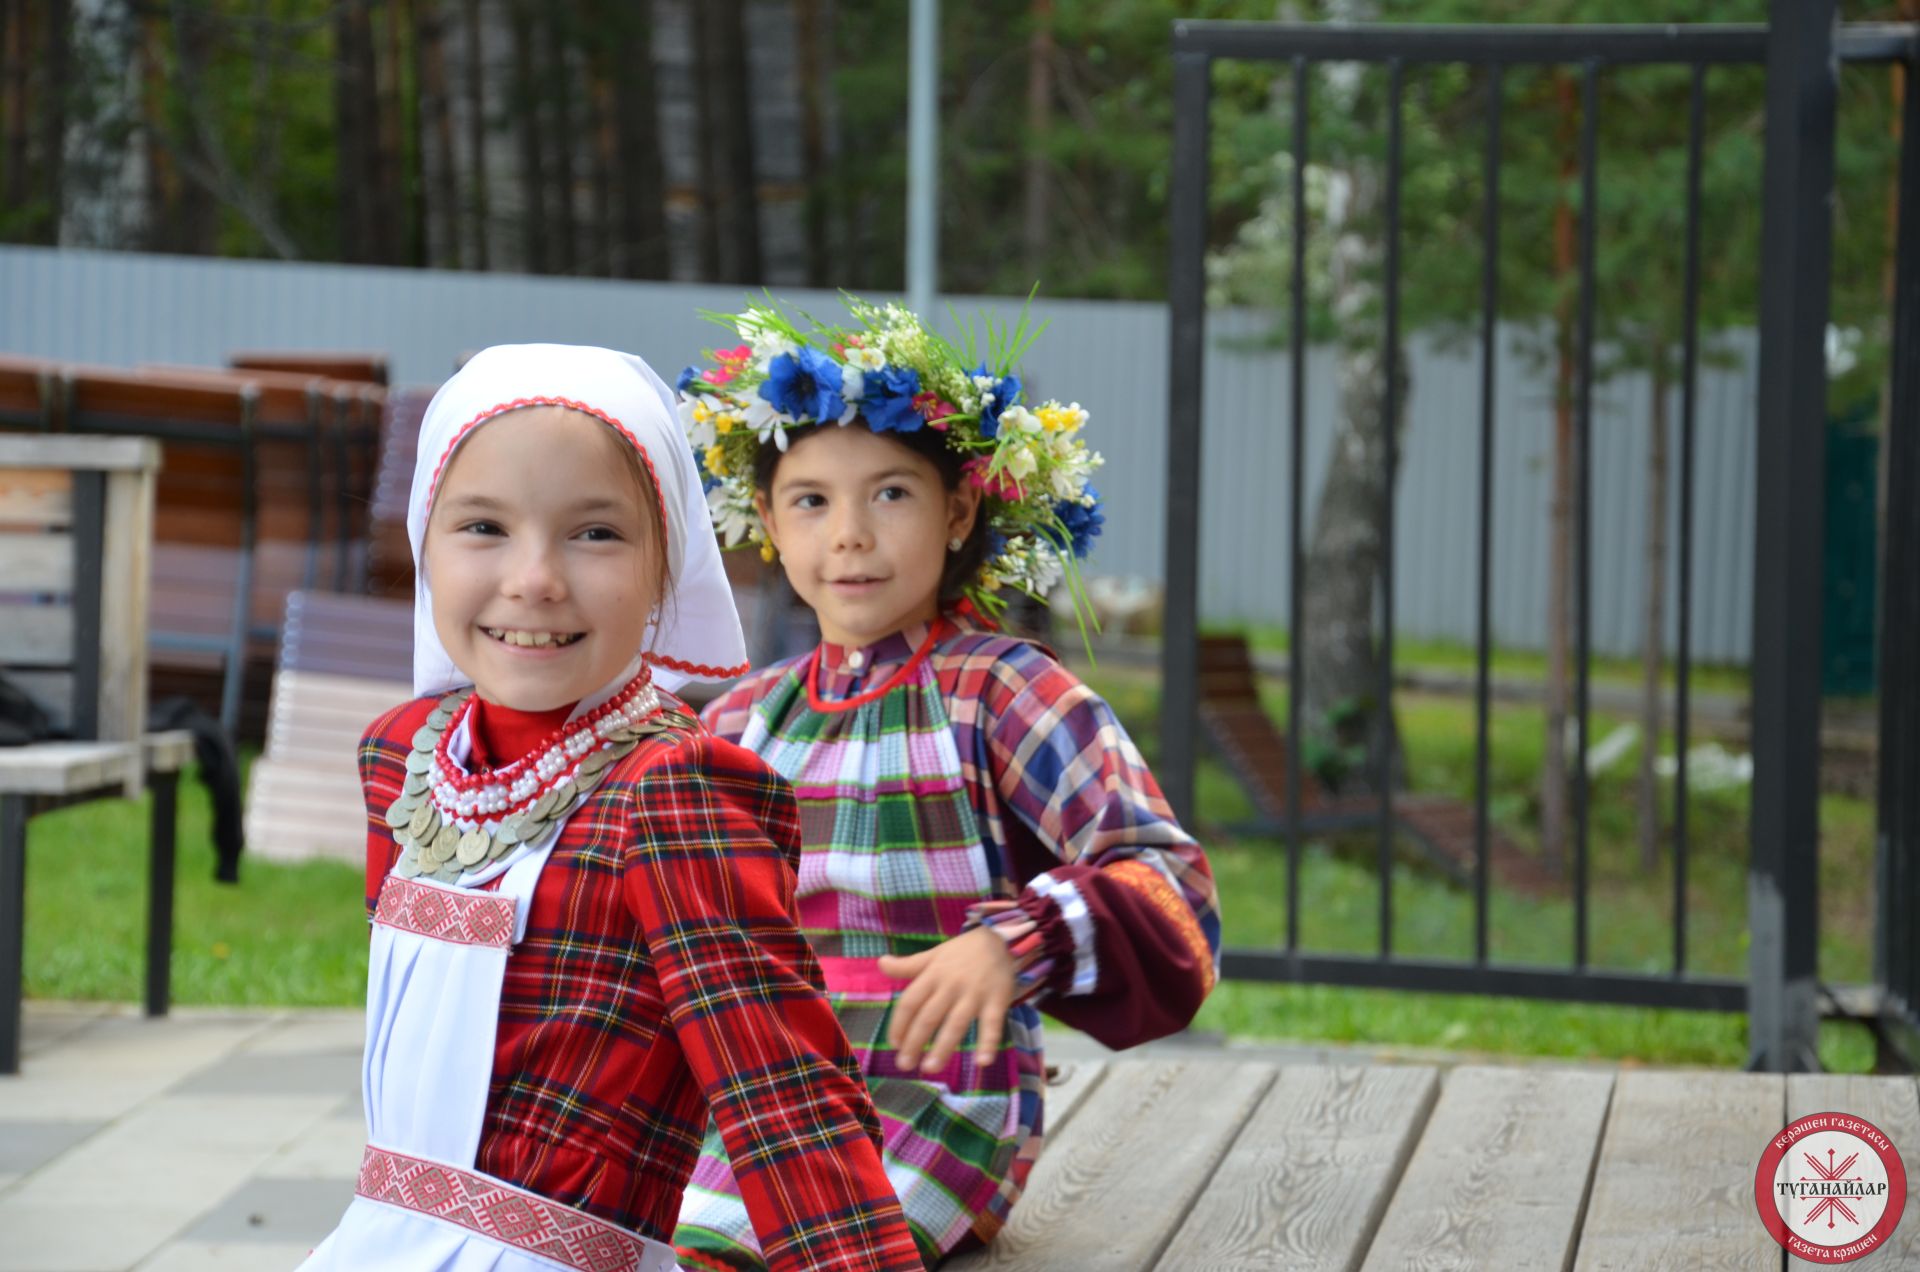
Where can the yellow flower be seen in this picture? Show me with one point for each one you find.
(716, 461)
(766, 553)
(723, 424)
(700, 413)
(1062, 419)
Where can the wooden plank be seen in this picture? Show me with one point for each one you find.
(35, 497)
(36, 562)
(126, 577)
(1068, 1091)
(167, 752)
(96, 454)
(1674, 1187)
(36, 635)
(1306, 1183)
(1891, 1105)
(68, 768)
(1500, 1176)
(1108, 1196)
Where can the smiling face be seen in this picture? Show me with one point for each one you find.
(862, 524)
(546, 557)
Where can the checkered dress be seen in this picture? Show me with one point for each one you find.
(945, 780)
(662, 984)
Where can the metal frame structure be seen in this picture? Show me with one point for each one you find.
(1801, 50)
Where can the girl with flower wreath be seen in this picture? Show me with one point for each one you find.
(981, 840)
(584, 947)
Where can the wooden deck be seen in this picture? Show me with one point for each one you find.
(1217, 1164)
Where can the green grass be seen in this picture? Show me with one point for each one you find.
(295, 934)
(287, 934)
(1630, 912)
(1525, 664)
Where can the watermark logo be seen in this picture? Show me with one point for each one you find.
(1831, 1188)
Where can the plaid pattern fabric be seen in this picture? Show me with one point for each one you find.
(1080, 864)
(663, 981)
(1081, 842)
(893, 862)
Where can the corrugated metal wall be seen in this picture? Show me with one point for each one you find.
(120, 308)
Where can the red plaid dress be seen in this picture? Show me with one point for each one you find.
(663, 980)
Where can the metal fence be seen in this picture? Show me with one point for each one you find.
(1801, 53)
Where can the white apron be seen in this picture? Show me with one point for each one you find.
(438, 959)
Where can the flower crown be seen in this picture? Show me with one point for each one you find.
(888, 372)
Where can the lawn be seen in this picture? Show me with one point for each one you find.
(295, 934)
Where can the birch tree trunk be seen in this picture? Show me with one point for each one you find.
(1339, 648)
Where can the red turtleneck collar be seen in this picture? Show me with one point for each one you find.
(502, 735)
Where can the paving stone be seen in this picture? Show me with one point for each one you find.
(26, 1145)
(253, 1072)
(201, 1256)
(329, 1149)
(275, 1211)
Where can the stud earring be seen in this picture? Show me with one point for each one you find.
(956, 543)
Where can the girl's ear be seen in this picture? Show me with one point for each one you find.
(761, 506)
(963, 505)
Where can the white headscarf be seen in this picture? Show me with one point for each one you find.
(700, 638)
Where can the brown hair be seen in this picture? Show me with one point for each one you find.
(962, 567)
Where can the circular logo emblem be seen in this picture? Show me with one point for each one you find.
(1830, 1188)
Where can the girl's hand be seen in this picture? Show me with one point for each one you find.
(969, 978)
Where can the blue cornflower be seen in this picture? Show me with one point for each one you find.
(805, 386)
(1002, 396)
(888, 403)
(687, 377)
(1079, 524)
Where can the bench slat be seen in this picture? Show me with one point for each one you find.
(1674, 1186)
(35, 497)
(1110, 1191)
(36, 635)
(68, 768)
(36, 562)
(1891, 1105)
(1307, 1181)
(1069, 1090)
(1501, 1143)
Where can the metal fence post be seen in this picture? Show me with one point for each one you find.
(1796, 252)
(1186, 344)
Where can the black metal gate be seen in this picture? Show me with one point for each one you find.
(1801, 52)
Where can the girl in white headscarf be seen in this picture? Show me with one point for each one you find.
(583, 940)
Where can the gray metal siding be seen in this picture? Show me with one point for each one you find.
(122, 309)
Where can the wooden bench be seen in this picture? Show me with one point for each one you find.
(29, 393)
(76, 518)
(390, 570)
(307, 427)
(369, 368)
(206, 513)
(344, 661)
(1236, 725)
(1244, 1165)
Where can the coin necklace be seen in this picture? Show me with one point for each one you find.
(449, 822)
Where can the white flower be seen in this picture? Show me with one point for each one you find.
(697, 416)
(853, 381)
(1065, 484)
(866, 358)
(1019, 417)
(766, 422)
(1021, 463)
(732, 521)
(767, 343)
